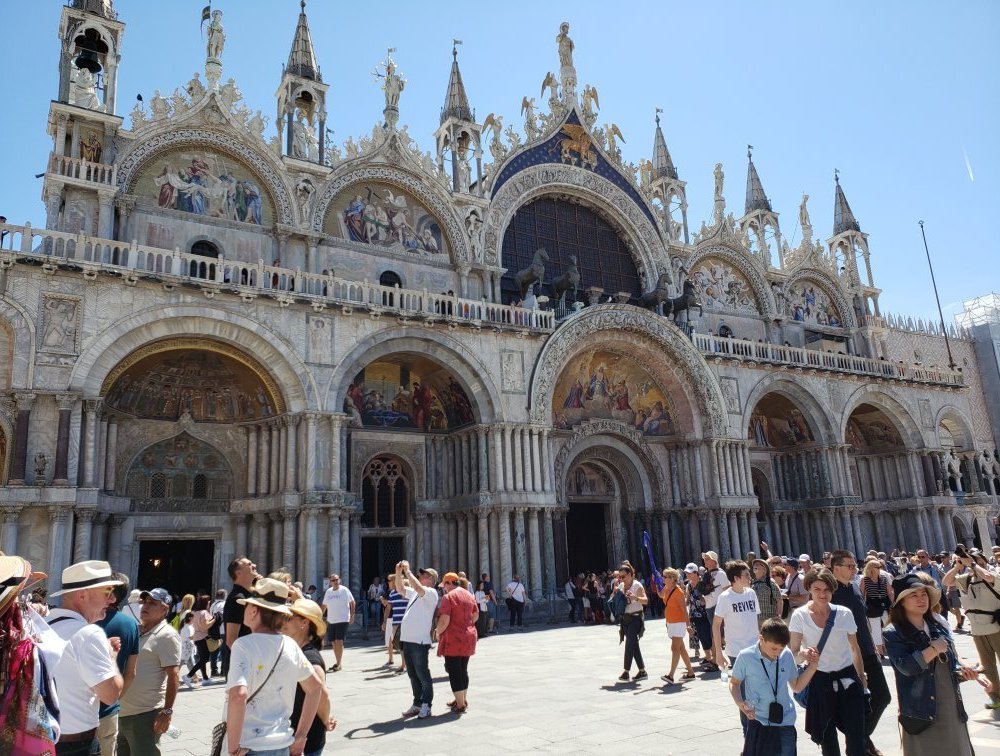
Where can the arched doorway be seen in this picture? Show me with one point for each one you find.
(591, 495)
(766, 526)
(877, 455)
(386, 494)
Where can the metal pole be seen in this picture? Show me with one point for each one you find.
(944, 331)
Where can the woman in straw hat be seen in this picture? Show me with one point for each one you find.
(931, 713)
(265, 670)
(28, 720)
(307, 628)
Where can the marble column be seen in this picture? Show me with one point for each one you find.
(512, 482)
(483, 460)
(283, 484)
(520, 544)
(309, 484)
(336, 423)
(675, 485)
(451, 528)
(559, 544)
(526, 459)
(900, 531)
(257, 547)
(275, 458)
(535, 556)
(435, 550)
(91, 408)
(65, 404)
(19, 458)
(860, 547)
(506, 570)
(536, 461)
(747, 468)
(483, 523)
(694, 544)
(345, 548)
(311, 572)
(934, 516)
(665, 536)
(60, 526)
(471, 529)
(699, 477)
(550, 575)
(111, 455)
(239, 531)
(547, 484)
(735, 547)
(848, 532)
(114, 545)
(277, 540)
(754, 533)
(717, 478)
(497, 480)
(82, 539)
(494, 528)
(745, 542)
(355, 555)
(251, 477)
(289, 546)
(922, 530)
(788, 544)
(8, 542)
(263, 460)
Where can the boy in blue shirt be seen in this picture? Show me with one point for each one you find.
(759, 685)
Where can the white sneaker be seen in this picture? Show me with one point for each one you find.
(425, 711)
(188, 683)
(412, 711)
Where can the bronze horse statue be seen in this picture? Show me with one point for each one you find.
(533, 274)
(684, 302)
(567, 282)
(658, 296)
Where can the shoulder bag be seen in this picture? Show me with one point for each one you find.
(802, 697)
(219, 731)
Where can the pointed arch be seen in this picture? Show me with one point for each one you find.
(823, 425)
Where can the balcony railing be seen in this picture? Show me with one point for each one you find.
(83, 170)
(778, 354)
(248, 280)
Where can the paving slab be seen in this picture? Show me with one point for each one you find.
(548, 689)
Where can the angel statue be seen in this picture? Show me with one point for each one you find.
(589, 101)
(531, 129)
(495, 123)
(552, 84)
(216, 36)
(613, 131)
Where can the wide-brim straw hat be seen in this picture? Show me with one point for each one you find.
(91, 573)
(15, 576)
(269, 594)
(904, 585)
(312, 611)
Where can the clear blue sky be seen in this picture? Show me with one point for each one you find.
(894, 94)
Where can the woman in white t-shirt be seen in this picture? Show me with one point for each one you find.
(837, 690)
(268, 667)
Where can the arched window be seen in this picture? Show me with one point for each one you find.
(200, 268)
(385, 492)
(158, 486)
(389, 278)
(200, 488)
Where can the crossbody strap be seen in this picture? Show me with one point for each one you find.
(827, 628)
(281, 647)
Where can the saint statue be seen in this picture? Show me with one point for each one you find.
(216, 36)
(85, 90)
(393, 85)
(565, 46)
(90, 148)
(720, 177)
(300, 137)
(804, 213)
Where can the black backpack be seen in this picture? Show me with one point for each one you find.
(215, 631)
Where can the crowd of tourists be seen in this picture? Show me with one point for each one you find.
(100, 674)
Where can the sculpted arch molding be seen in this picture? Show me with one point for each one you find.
(740, 261)
(23, 372)
(130, 166)
(590, 321)
(825, 430)
(894, 410)
(552, 178)
(420, 188)
(832, 289)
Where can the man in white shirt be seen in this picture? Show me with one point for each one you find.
(736, 611)
(717, 578)
(86, 672)
(415, 633)
(338, 603)
(516, 598)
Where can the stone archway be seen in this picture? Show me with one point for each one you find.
(699, 403)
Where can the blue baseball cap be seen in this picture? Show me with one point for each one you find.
(158, 594)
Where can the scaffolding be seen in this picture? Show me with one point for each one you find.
(979, 311)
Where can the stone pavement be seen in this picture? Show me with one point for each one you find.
(550, 689)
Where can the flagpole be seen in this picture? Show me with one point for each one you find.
(944, 331)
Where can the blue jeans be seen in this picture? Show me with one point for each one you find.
(271, 752)
(419, 672)
(769, 741)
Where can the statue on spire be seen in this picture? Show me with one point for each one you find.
(392, 84)
(720, 200)
(567, 73)
(216, 36)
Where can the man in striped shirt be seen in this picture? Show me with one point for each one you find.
(396, 607)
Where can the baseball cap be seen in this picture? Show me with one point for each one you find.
(805, 558)
(449, 577)
(691, 567)
(429, 571)
(158, 594)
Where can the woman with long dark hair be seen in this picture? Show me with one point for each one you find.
(201, 622)
(931, 713)
(631, 626)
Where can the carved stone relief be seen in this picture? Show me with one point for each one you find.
(731, 393)
(512, 371)
(59, 324)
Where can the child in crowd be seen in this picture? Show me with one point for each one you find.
(759, 685)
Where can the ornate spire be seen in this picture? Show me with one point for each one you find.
(843, 217)
(302, 59)
(456, 103)
(756, 199)
(662, 164)
(104, 8)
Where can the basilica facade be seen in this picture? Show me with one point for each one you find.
(510, 354)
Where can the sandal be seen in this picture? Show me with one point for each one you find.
(689, 676)
(668, 679)
(460, 709)
(451, 704)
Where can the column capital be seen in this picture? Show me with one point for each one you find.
(93, 405)
(10, 514)
(85, 515)
(24, 400)
(58, 513)
(115, 521)
(337, 420)
(66, 401)
(261, 518)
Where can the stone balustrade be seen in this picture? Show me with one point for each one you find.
(133, 261)
(778, 354)
(79, 169)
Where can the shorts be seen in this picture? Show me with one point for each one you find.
(677, 629)
(704, 629)
(388, 631)
(336, 631)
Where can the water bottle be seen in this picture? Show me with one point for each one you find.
(173, 731)
(724, 676)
